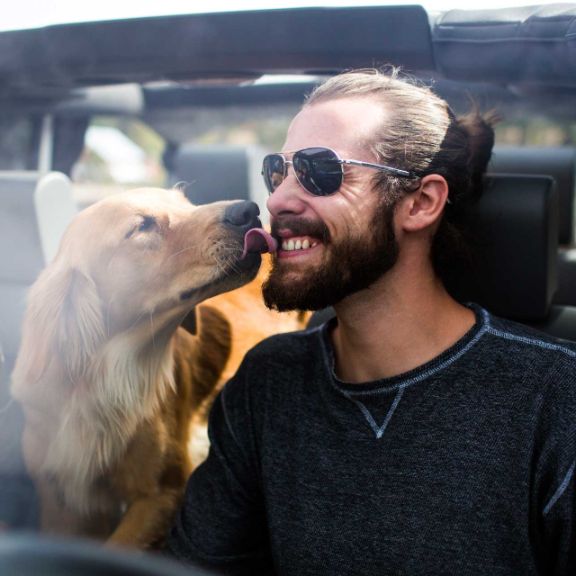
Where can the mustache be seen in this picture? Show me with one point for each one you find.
(301, 227)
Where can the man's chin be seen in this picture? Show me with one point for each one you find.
(287, 292)
(283, 293)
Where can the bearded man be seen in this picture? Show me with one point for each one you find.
(410, 434)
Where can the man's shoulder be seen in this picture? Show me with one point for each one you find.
(530, 340)
(544, 356)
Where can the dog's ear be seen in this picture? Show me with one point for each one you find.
(63, 323)
(81, 323)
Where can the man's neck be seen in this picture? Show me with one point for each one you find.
(395, 326)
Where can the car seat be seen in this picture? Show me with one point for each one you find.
(219, 172)
(34, 211)
(514, 234)
(560, 163)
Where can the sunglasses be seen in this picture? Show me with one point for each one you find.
(319, 171)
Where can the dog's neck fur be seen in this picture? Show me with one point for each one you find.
(96, 413)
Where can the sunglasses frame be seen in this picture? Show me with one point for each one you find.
(398, 172)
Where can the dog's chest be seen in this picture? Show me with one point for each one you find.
(77, 463)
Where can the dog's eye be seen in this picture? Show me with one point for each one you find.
(147, 224)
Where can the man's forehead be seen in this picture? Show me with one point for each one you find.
(343, 124)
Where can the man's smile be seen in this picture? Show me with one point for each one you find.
(298, 237)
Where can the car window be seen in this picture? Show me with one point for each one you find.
(18, 141)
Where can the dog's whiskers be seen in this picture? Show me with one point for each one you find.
(181, 251)
(227, 263)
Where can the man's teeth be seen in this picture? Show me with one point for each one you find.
(297, 244)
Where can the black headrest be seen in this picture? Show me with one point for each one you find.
(212, 173)
(514, 235)
(558, 162)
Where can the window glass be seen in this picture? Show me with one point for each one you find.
(536, 131)
(18, 135)
(118, 154)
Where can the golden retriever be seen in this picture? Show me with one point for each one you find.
(107, 380)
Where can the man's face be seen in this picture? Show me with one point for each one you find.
(332, 246)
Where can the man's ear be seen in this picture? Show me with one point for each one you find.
(424, 208)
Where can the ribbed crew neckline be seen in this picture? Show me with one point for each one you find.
(418, 374)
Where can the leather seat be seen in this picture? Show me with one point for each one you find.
(21, 256)
(514, 235)
(212, 173)
(34, 211)
(560, 163)
(514, 232)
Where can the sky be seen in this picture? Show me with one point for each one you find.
(38, 13)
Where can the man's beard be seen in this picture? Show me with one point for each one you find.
(350, 265)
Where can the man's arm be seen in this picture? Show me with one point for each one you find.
(222, 523)
(559, 526)
(554, 481)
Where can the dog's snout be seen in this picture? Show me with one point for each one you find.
(242, 215)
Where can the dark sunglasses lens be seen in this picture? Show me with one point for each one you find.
(318, 170)
(273, 171)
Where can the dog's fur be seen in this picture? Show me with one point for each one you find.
(107, 381)
(249, 323)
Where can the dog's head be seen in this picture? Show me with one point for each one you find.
(151, 251)
(140, 257)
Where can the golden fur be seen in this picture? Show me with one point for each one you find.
(107, 381)
(249, 323)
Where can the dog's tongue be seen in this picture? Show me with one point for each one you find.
(258, 240)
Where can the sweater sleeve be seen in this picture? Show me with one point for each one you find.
(555, 480)
(221, 524)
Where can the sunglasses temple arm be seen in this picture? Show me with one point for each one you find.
(395, 171)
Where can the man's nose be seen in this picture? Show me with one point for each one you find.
(288, 198)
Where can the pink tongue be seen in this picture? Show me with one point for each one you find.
(258, 240)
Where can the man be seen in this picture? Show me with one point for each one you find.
(411, 434)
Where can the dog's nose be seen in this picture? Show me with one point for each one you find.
(242, 216)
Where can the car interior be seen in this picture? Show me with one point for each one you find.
(196, 100)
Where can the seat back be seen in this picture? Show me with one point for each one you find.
(560, 163)
(21, 255)
(219, 172)
(55, 208)
(513, 232)
(34, 212)
(557, 162)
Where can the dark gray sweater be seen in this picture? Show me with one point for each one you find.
(463, 466)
